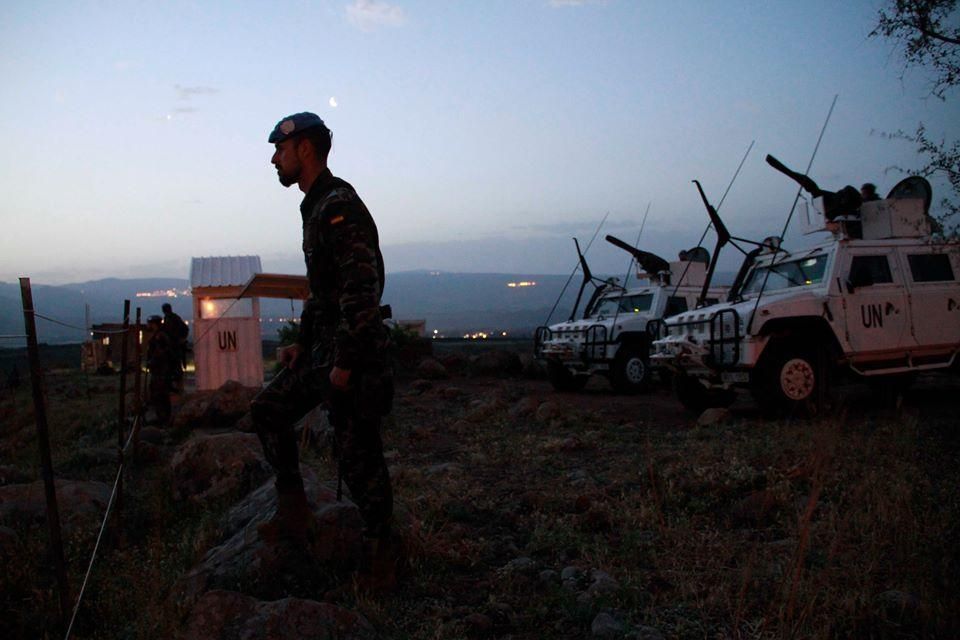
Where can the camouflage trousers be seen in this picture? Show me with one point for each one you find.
(359, 449)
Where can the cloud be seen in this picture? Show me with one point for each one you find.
(368, 15)
(186, 93)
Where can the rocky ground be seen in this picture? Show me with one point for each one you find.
(527, 513)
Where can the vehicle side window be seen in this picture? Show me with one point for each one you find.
(873, 269)
(930, 267)
(675, 305)
(709, 302)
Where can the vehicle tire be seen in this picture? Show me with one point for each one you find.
(630, 370)
(697, 398)
(561, 378)
(788, 380)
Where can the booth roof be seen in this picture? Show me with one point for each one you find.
(223, 271)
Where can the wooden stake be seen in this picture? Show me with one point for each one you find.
(122, 410)
(43, 444)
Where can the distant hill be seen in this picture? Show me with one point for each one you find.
(451, 303)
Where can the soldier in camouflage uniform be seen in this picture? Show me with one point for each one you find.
(339, 356)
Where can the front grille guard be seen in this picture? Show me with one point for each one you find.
(719, 337)
(595, 343)
(594, 346)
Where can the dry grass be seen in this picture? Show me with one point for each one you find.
(754, 529)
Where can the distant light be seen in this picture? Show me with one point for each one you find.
(524, 283)
(504, 334)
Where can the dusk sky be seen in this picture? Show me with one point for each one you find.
(481, 135)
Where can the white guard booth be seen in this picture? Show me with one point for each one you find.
(226, 328)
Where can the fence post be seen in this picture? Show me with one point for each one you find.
(137, 374)
(122, 417)
(43, 444)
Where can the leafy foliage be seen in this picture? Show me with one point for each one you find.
(930, 38)
(288, 333)
(929, 35)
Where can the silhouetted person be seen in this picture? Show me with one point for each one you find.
(177, 330)
(160, 364)
(868, 192)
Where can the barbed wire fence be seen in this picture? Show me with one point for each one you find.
(126, 441)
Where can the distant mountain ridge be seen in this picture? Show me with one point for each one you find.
(452, 303)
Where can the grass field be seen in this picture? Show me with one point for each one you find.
(537, 511)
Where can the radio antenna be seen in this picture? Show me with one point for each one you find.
(796, 199)
(575, 267)
(720, 204)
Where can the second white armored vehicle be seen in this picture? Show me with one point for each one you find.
(613, 336)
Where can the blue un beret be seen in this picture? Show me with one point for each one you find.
(297, 123)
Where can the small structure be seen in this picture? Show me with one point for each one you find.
(101, 353)
(226, 328)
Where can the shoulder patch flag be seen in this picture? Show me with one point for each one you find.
(336, 219)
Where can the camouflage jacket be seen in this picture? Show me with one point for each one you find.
(341, 318)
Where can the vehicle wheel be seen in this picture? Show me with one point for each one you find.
(630, 371)
(788, 381)
(696, 397)
(561, 378)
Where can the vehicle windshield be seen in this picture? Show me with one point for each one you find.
(785, 275)
(619, 305)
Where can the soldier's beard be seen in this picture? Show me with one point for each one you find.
(287, 179)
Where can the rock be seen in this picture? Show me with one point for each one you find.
(78, 501)
(578, 478)
(606, 626)
(214, 409)
(714, 416)
(228, 615)
(601, 583)
(643, 632)
(571, 573)
(548, 577)
(522, 565)
(152, 435)
(453, 361)
(431, 369)
(244, 557)
(211, 466)
(452, 393)
(550, 410)
(485, 409)
(442, 468)
(499, 362)
(479, 622)
(420, 386)
(527, 406)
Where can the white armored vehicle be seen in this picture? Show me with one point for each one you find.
(614, 334)
(879, 299)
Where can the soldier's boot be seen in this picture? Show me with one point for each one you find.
(383, 564)
(294, 524)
